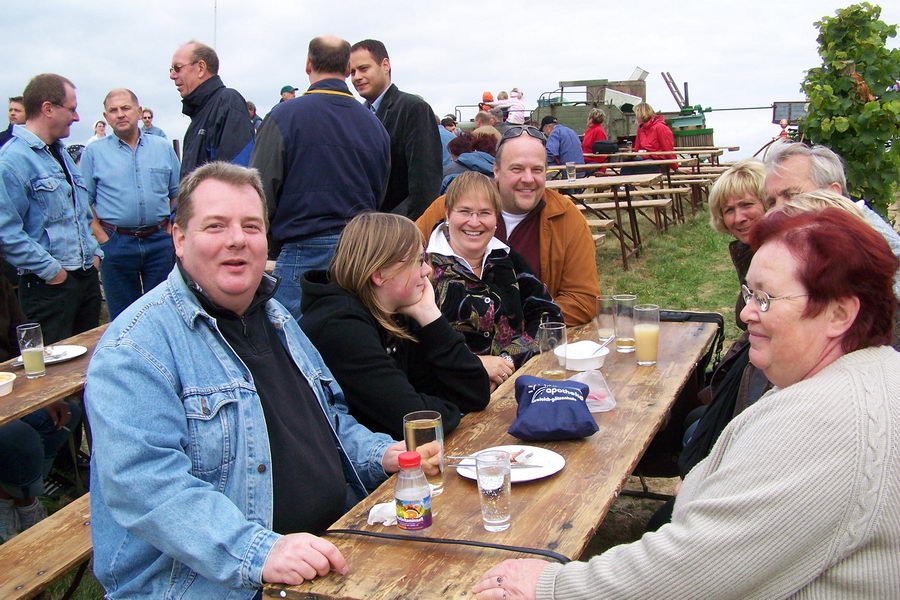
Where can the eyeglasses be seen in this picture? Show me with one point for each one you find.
(177, 68)
(465, 213)
(72, 109)
(762, 298)
(517, 130)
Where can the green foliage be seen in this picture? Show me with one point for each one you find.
(841, 115)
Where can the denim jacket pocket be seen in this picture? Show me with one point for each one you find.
(212, 419)
(46, 192)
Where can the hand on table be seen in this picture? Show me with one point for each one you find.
(498, 369)
(510, 580)
(430, 453)
(300, 557)
(61, 413)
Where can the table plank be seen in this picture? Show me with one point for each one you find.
(641, 179)
(62, 379)
(558, 513)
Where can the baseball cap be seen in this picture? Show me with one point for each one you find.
(548, 120)
(288, 88)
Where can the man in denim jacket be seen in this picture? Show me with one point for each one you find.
(45, 221)
(218, 430)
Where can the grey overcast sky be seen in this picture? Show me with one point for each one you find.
(733, 54)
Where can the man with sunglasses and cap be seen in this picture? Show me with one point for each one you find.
(542, 225)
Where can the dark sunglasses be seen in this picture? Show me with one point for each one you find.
(515, 131)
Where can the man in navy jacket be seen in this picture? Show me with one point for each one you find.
(323, 158)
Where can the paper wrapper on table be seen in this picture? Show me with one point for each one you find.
(600, 397)
(551, 410)
(384, 513)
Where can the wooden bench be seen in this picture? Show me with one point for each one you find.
(676, 194)
(598, 227)
(42, 553)
(659, 206)
(699, 184)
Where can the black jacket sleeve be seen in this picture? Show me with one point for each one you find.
(234, 141)
(425, 160)
(268, 159)
(379, 392)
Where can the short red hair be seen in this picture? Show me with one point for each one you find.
(840, 256)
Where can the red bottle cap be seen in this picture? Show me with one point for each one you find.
(409, 460)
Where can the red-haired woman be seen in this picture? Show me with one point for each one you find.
(799, 496)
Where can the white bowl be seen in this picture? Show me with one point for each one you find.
(581, 356)
(6, 383)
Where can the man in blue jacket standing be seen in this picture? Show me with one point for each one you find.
(322, 158)
(219, 129)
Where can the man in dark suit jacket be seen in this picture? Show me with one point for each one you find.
(416, 170)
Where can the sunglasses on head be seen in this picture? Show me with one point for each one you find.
(515, 131)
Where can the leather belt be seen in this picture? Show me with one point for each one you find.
(139, 232)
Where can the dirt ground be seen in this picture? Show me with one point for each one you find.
(628, 516)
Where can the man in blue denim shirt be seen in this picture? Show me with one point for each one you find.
(132, 181)
(45, 221)
(192, 472)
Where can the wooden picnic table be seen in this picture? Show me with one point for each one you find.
(62, 379)
(559, 513)
(615, 166)
(693, 153)
(629, 240)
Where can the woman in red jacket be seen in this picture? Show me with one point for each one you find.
(653, 134)
(594, 133)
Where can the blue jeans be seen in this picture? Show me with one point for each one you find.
(133, 266)
(28, 448)
(295, 259)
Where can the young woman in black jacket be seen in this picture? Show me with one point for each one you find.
(373, 318)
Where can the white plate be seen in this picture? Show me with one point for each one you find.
(550, 462)
(58, 353)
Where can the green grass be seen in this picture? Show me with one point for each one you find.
(686, 268)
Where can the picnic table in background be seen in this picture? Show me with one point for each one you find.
(559, 513)
(620, 186)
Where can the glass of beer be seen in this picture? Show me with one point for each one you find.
(31, 344)
(646, 333)
(606, 317)
(571, 172)
(493, 473)
(624, 309)
(551, 335)
(420, 428)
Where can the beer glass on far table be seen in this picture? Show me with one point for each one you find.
(419, 428)
(551, 335)
(31, 345)
(624, 322)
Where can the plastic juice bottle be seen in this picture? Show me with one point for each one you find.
(412, 494)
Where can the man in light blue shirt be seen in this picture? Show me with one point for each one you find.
(45, 220)
(132, 181)
(149, 128)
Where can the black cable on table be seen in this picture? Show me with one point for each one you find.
(410, 538)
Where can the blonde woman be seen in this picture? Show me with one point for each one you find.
(736, 204)
(373, 318)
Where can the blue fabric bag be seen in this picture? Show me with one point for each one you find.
(551, 410)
